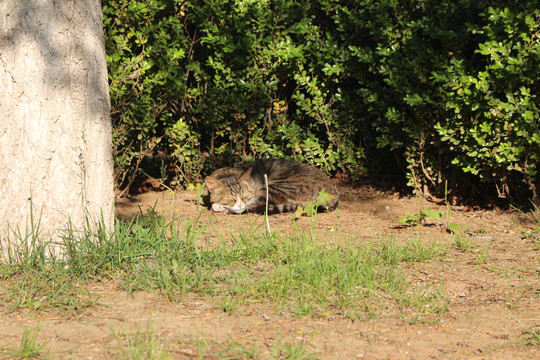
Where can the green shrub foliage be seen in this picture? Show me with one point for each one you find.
(445, 91)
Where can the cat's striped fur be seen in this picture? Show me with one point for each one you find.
(290, 184)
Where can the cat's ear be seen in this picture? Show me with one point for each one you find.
(212, 184)
(246, 175)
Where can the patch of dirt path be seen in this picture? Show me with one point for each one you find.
(493, 293)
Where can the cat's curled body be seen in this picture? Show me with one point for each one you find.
(290, 184)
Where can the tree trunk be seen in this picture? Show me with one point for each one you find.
(55, 128)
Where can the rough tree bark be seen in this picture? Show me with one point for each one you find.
(55, 128)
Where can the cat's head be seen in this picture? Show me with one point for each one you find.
(231, 190)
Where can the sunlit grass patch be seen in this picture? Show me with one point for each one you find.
(298, 272)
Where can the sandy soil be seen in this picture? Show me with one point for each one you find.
(491, 304)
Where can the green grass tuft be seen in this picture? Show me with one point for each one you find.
(29, 348)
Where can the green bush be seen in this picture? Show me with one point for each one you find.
(146, 52)
(444, 90)
(493, 131)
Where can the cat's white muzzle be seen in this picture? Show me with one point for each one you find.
(238, 208)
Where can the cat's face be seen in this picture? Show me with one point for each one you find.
(231, 194)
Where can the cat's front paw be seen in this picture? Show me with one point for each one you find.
(220, 209)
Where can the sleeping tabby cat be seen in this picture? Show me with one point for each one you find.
(290, 184)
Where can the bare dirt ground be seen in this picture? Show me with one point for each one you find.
(492, 302)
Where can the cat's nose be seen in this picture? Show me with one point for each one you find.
(238, 207)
